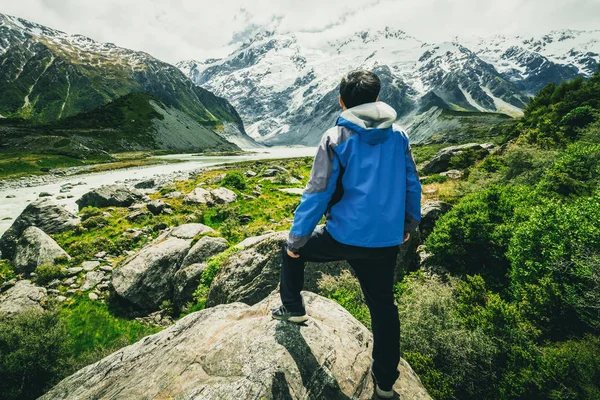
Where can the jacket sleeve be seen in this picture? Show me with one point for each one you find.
(316, 196)
(412, 216)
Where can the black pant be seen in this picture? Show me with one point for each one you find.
(374, 268)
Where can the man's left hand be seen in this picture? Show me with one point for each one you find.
(293, 255)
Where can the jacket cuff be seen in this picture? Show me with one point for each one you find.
(295, 242)
(410, 223)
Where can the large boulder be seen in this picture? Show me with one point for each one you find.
(430, 213)
(223, 195)
(252, 273)
(147, 278)
(110, 196)
(22, 296)
(205, 247)
(35, 248)
(44, 214)
(441, 161)
(236, 351)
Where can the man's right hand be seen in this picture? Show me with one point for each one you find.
(293, 255)
(406, 237)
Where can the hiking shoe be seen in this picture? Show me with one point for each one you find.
(283, 314)
(382, 394)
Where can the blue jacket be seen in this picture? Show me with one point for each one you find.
(364, 179)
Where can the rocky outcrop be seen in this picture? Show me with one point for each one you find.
(430, 213)
(24, 295)
(441, 161)
(156, 207)
(44, 214)
(238, 352)
(110, 196)
(146, 279)
(252, 274)
(35, 248)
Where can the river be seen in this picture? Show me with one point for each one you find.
(10, 208)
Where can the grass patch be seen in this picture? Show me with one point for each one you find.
(6, 271)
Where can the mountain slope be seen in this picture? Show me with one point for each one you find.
(134, 122)
(285, 85)
(47, 75)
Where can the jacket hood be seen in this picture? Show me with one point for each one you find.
(373, 121)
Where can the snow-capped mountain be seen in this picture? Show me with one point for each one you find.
(285, 85)
(47, 75)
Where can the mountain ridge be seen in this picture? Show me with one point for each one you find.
(285, 85)
(48, 75)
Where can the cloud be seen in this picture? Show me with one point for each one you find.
(183, 29)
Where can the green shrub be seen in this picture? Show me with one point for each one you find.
(213, 265)
(33, 353)
(434, 179)
(6, 271)
(95, 222)
(466, 158)
(45, 274)
(234, 180)
(473, 237)
(579, 117)
(576, 172)
(526, 164)
(555, 266)
(346, 291)
(433, 333)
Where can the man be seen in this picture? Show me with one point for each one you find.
(365, 181)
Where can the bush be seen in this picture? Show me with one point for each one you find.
(473, 237)
(346, 291)
(466, 158)
(463, 359)
(434, 179)
(33, 353)
(45, 274)
(234, 180)
(95, 222)
(576, 172)
(555, 266)
(6, 271)
(213, 266)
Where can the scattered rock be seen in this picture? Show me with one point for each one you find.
(204, 248)
(90, 265)
(106, 268)
(296, 191)
(198, 196)
(245, 219)
(441, 160)
(10, 196)
(430, 213)
(73, 271)
(44, 214)
(22, 296)
(237, 351)
(156, 207)
(110, 195)
(137, 215)
(36, 248)
(216, 179)
(92, 279)
(7, 285)
(160, 227)
(61, 299)
(100, 254)
(45, 194)
(273, 171)
(453, 174)
(173, 195)
(147, 184)
(60, 197)
(250, 174)
(223, 195)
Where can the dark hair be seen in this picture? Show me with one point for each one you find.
(359, 87)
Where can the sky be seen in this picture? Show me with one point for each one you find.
(176, 30)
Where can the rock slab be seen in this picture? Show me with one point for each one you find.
(24, 295)
(235, 351)
(110, 196)
(34, 249)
